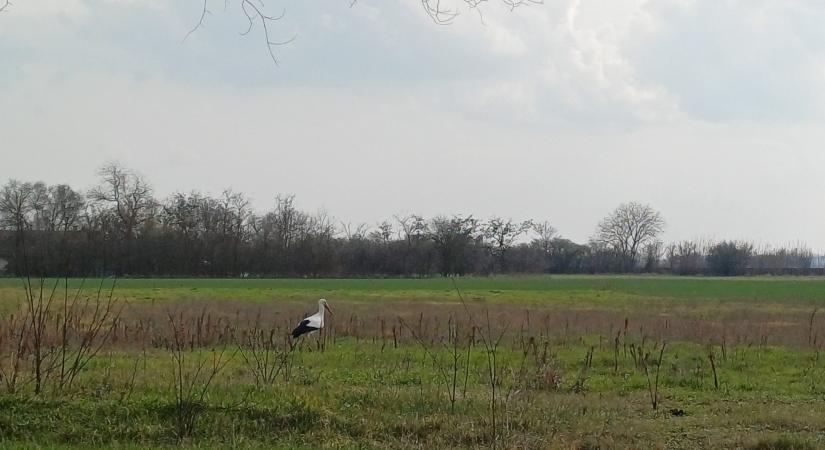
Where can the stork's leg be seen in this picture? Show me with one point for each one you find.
(289, 359)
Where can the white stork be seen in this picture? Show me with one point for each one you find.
(312, 323)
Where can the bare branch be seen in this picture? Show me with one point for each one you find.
(475, 5)
(200, 21)
(439, 15)
(253, 10)
(5, 5)
(253, 13)
(513, 4)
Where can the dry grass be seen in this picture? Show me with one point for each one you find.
(376, 322)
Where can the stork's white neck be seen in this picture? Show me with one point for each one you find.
(321, 311)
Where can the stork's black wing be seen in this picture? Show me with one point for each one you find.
(303, 328)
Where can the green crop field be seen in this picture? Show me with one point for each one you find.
(584, 291)
(511, 362)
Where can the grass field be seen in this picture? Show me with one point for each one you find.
(623, 292)
(523, 362)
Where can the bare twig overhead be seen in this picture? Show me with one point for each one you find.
(439, 14)
(513, 4)
(254, 11)
(254, 14)
(201, 20)
(444, 16)
(5, 5)
(475, 5)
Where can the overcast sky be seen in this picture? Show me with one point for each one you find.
(710, 110)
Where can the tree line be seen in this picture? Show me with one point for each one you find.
(119, 228)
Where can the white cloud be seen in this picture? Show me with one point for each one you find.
(737, 60)
(594, 64)
(707, 109)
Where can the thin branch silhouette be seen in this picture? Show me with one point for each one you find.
(255, 14)
(202, 19)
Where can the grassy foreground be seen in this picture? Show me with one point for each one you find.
(354, 395)
(404, 365)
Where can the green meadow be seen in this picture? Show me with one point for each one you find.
(510, 362)
(564, 290)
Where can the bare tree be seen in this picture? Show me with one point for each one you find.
(501, 234)
(452, 236)
(15, 205)
(627, 229)
(686, 257)
(235, 211)
(413, 231)
(38, 203)
(653, 252)
(779, 259)
(545, 240)
(288, 220)
(127, 194)
(383, 234)
(545, 234)
(411, 227)
(279, 233)
(64, 208)
(355, 232)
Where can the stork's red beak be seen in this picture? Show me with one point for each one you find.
(328, 310)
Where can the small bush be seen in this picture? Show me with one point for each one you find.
(729, 258)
